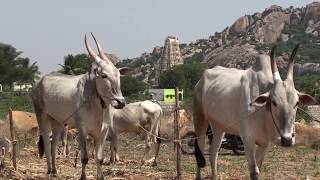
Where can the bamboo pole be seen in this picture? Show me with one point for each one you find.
(177, 134)
(13, 140)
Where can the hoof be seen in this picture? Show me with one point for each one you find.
(117, 158)
(52, 176)
(112, 161)
(83, 177)
(100, 177)
(254, 176)
(154, 164)
(150, 162)
(54, 172)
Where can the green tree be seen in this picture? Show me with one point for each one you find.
(75, 64)
(172, 78)
(308, 83)
(184, 76)
(131, 85)
(196, 58)
(14, 68)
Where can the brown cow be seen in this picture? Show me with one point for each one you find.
(307, 135)
(24, 123)
(167, 130)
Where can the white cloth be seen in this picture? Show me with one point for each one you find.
(98, 59)
(276, 76)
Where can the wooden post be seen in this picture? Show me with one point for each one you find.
(76, 158)
(2, 165)
(177, 134)
(3, 152)
(13, 141)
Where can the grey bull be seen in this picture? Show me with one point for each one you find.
(85, 101)
(139, 117)
(254, 103)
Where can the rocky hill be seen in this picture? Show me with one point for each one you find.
(238, 44)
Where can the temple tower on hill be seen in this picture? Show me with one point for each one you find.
(170, 57)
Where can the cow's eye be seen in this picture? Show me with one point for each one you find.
(104, 76)
(274, 103)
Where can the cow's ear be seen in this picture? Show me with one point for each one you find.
(124, 70)
(260, 100)
(306, 99)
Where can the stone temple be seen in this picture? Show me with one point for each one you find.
(170, 57)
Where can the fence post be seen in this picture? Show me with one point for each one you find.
(13, 141)
(3, 154)
(76, 158)
(177, 134)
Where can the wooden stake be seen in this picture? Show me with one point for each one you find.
(76, 158)
(13, 141)
(3, 152)
(177, 134)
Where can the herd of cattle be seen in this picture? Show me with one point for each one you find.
(255, 104)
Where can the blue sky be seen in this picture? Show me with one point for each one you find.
(46, 31)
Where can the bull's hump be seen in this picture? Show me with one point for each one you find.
(221, 76)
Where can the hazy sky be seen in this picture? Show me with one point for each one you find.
(46, 31)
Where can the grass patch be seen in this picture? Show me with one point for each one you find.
(21, 103)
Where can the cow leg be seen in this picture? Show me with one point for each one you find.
(57, 129)
(99, 142)
(260, 152)
(146, 149)
(156, 140)
(249, 147)
(214, 150)
(84, 153)
(157, 144)
(44, 129)
(67, 145)
(114, 147)
(64, 138)
(47, 150)
(25, 139)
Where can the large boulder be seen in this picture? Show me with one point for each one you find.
(235, 56)
(271, 24)
(306, 67)
(312, 12)
(295, 18)
(240, 26)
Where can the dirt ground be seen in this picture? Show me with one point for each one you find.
(280, 163)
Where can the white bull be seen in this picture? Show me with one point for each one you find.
(86, 102)
(254, 103)
(139, 117)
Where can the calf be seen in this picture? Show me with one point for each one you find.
(139, 117)
(307, 135)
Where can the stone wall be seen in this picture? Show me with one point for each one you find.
(314, 111)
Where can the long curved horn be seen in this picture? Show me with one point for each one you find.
(90, 51)
(274, 67)
(291, 62)
(101, 53)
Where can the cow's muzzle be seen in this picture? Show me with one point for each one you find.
(287, 141)
(118, 103)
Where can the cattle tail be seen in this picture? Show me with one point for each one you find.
(41, 146)
(201, 161)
